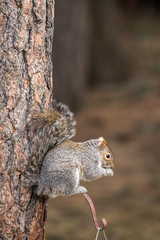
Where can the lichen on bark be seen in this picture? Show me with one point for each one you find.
(26, 34)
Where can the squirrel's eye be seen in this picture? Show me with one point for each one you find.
(108, 156)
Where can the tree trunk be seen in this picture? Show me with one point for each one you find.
(109, 60)
(26, 34)
(71, 53)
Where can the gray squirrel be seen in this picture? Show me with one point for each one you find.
(57, 163)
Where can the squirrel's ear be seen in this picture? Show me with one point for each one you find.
(102, 143)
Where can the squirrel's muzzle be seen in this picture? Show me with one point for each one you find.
(109, 164)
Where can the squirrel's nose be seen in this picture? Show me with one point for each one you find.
(112, 165)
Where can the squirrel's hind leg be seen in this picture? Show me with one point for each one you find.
(79, 189)
(72, 184)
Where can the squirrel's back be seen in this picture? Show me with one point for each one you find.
(48, 129)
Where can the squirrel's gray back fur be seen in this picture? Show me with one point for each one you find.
(46, 130)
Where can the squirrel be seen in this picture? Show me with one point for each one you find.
(57, 163)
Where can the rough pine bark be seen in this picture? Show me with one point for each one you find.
(26, 34)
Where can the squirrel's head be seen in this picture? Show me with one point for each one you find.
(107, 155)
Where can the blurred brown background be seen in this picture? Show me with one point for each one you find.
(106, 58)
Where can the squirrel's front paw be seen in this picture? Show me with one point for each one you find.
(109, 172)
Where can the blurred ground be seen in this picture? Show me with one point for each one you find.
(129, 118)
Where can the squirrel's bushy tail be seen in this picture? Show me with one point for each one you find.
(48, 129)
